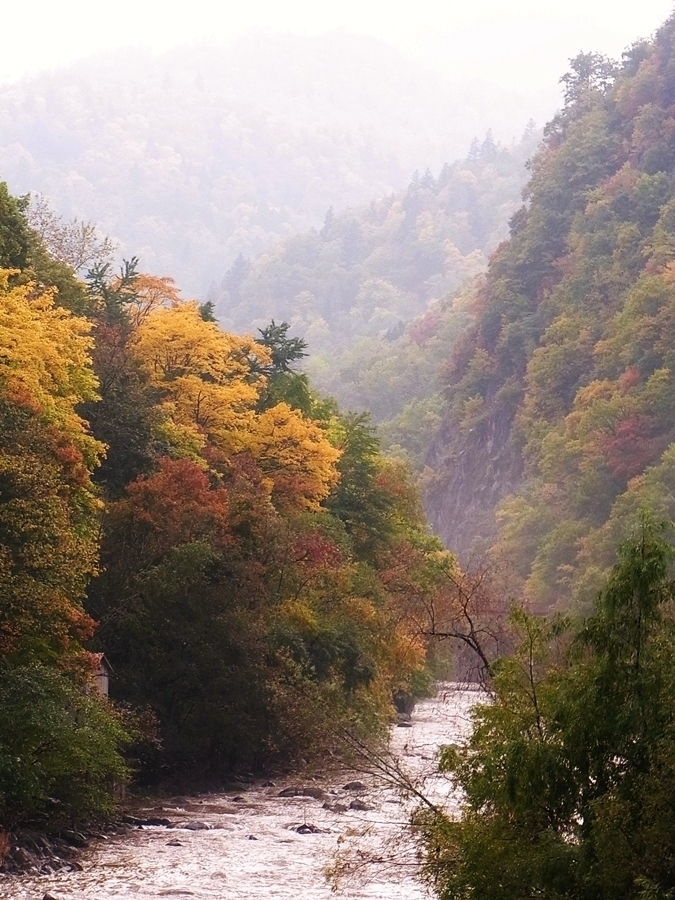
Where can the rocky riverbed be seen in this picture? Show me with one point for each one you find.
(295, 838)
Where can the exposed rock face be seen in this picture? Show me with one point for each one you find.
(473, 473)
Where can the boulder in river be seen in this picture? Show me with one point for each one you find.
(196, 826)
(75, 838)
(308, 828)
(336, 807)
(151, 820)
(315, 792)
(23, 857)
(359, 804)
(354, 786)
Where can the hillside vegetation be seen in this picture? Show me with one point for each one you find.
(178, 497)
(568, 773)
(558, 417)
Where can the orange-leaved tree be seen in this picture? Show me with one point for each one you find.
(210, 382)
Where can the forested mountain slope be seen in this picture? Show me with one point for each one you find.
(349, 288)
(196, 155)
(559, 400)
(177, 497)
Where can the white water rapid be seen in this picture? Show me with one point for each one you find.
(257, 845)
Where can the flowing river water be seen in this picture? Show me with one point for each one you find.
(256, 844)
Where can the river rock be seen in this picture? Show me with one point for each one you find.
(50, 896)
(131, 820)
(75, 839)
(354, 786)
(359, 804)
(196, 826)
(23, 857)
(137, 822)
(336, 807)
(308, 828)
(315, 792)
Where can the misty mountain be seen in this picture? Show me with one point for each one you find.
(349, 288)
(194, 156)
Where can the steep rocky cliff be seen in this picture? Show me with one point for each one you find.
(470, 478)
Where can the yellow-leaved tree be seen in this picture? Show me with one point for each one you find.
(211, 385)
(49, 509)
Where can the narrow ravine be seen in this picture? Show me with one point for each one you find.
(258, 844)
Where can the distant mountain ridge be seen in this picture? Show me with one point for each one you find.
(194, 156)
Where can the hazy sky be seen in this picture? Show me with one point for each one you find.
(519, 42)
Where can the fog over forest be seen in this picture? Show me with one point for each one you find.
(337, 393)
(191, 157)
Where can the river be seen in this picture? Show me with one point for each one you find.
(256, 844)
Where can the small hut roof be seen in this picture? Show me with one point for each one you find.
(103, 662)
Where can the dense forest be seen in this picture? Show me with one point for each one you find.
(178, 497)
(193, 156)
(568, 775)
(261, 576)
(545, 421)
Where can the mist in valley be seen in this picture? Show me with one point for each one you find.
(336, 363)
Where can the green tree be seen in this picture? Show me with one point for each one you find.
(569, 774)
(284, 385)
(59, 749)
(14, 235)
(360, 500)
(590, 73)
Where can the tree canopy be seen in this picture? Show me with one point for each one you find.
(568, 777)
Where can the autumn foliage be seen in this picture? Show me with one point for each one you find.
(177, 497)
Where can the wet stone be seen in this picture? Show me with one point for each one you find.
(314, 792)
(75, 839)
(23, 857)
(354, 786)
(336, 807)
(308, 828)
